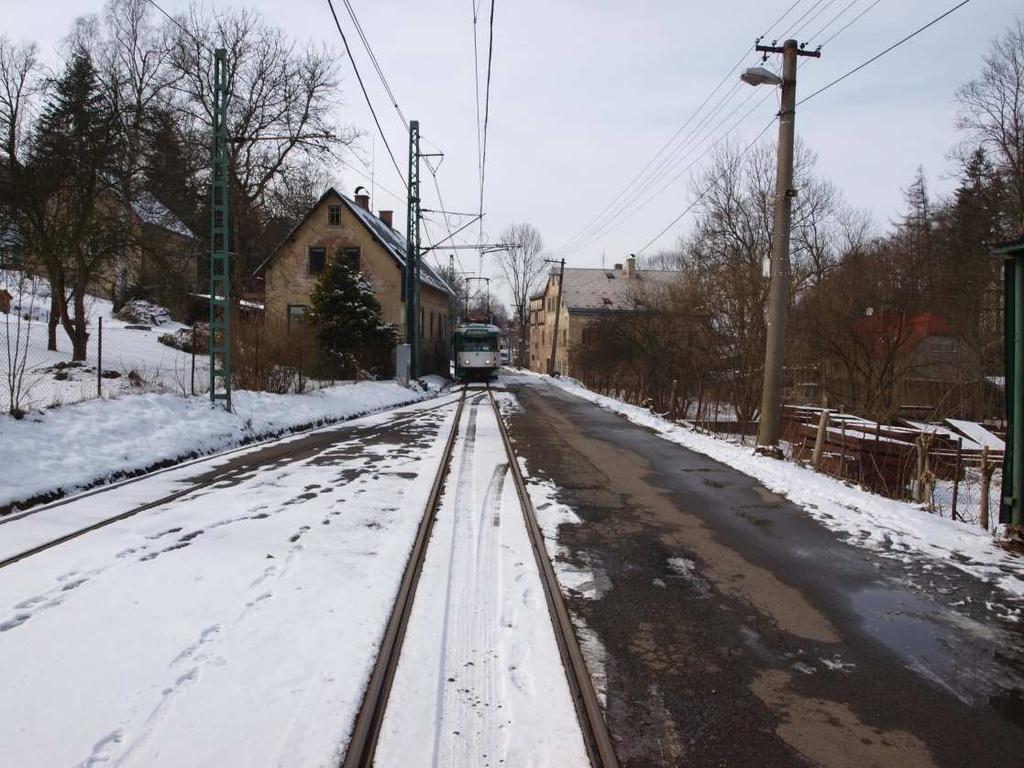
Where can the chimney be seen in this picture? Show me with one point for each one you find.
(387, 217)
(631, 266)
(618, 267)
(363, 201)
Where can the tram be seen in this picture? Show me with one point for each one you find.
(476, 352)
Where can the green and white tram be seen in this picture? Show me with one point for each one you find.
(476, 352)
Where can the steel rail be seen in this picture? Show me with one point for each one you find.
(363, 744)
(596, 737)
(192, 488)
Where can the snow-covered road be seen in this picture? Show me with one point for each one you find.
(480, 681)
(234, 626)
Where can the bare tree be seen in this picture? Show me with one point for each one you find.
(993, 111)
(281, 104)
(523, 267)
(19, 83)
(133, 67)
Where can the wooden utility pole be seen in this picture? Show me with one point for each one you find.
(558, 311)
(778, 290)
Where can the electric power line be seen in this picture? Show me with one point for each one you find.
(703, 194)
(879, 55)
(813, 16)
(846, 26)
(664, 165)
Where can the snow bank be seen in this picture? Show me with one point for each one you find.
(896, 529)
(57, 451)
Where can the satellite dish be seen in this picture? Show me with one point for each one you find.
(760, 76)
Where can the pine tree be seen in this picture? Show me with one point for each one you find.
(347, 319)
(70, 170)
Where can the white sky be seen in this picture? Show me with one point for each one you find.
(584, 92)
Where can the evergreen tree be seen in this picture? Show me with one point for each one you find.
(347, 319)
(74, 227)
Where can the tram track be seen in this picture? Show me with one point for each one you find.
(367, 730)
(299, 451)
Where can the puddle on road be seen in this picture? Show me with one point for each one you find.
(943, 649)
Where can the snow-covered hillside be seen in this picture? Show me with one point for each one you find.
(57, 451)
(134, 361)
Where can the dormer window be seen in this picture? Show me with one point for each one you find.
(334, 216)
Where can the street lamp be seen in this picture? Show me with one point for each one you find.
(760, 76)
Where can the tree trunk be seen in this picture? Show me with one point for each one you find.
(52, 320)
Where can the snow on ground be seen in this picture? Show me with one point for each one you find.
(62, 449)
(894, 528)
(480, 681)
(235, 626)
(156, 367)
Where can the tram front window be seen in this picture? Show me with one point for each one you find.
(479, 345)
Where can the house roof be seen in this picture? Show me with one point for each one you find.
(149, 210)
(391, 239)
(610, 290)
(905, 331)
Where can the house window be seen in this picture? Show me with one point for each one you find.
(351, 257)
(296, 315)
(334, 216)
(317, 260)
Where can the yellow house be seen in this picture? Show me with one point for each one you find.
(341, 228)
(588, 295)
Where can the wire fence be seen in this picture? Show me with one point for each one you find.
(41, 370)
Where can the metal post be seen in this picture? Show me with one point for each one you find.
(558, 311)
(220, 267)
(412, 253)
(778, 291)
(99, 359)
(1017, 516)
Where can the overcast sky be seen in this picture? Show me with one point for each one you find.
(584, 92)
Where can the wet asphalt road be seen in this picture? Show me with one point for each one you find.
(737, 631)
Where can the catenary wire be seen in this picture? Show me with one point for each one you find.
(487, 108)
(366, 95)
(373, 60)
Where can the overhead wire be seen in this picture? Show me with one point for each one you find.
(846, 26)
(704, 193)
(366, 95)
(880, 54)
(373, 60)
(811, 18)
(487, 108)
(759, 135)
(838, 16)
(643, 202)
(662, 162)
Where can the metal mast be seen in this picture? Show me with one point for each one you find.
(412, 253)
(220, 266)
